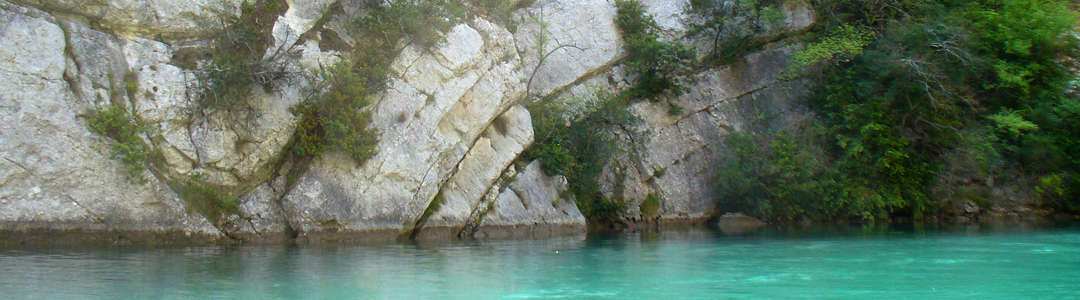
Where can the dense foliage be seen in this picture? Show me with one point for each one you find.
(910, 93)
(579, 150)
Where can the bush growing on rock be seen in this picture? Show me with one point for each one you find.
(337, 118)
(659, 67)
(580, 149)
(733, 25)
(236, 60)
(118, 123)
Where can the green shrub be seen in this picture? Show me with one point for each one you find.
(650, 207)
(211, 201)
(236, 58)
(337, 119)
(981, 80)
(839, 46)
(117, 123)
(579, 150)
(659, 67)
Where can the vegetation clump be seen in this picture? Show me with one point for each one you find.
(209, 200)
(580, 149)
(650, 207)
(118, 123)
(337, 118)
(905, 89)
(236, 60)
(733, 26)
(659, 67)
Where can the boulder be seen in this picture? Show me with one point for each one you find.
(737, 223)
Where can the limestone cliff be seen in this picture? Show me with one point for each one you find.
(452, 125)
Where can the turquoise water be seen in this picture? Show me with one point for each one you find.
(1028, 264)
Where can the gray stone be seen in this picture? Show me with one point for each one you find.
(579, 34)
(737, 223)
(429, 119)
(493, 151)
(687, 148)
(534, 205)
(100, 68)
(173, 20)
(798, 15)
(260, 219)
(55, 174)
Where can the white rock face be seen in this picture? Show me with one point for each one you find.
(429, 119)
(297, 20)
(579, 34)
(451, 124)
(534, 205)
(260, 219)
(54, 173)
(172, 20)
(683, 151)
(231, 154)
(493, 151)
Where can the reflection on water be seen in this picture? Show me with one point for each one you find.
(889, 264)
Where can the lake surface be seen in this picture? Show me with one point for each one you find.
(1009, 264)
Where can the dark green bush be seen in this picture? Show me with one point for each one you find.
(650, 207)
(236, 58)
(659, 67)
(982, 79)
(118, 123)
(732, 26)
(579, 151)
(337, 119)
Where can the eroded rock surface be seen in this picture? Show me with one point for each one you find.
(174, 20)
(452, 125)
(497, 147)
(570, 42)
(533, 205)
(679, 159)
(54, 173)
(432, 115)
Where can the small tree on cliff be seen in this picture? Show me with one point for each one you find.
(732, 24)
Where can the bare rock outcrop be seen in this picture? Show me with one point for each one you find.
(166, 19)
(55, 174)
(431, 117)
(533, 205)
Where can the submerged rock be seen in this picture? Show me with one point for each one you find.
(737, 223)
